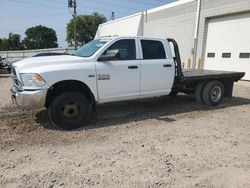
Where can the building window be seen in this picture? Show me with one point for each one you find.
(153, 49)
(244, 55)
(226, 55)
(211, 55)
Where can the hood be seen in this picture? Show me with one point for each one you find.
(38, 62)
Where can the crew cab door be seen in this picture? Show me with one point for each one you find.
(157, 67)
(119, 78)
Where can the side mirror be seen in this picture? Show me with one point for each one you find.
(110, 55)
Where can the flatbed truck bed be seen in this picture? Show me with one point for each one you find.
(194, 75)
(202, 83)
(193, 81)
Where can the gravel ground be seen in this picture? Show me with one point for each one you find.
(5, 84)
(164, 142)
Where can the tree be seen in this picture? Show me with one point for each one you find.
(40, 37)
(4, 44)
(86, 27)
(15, 41)
(11, 43)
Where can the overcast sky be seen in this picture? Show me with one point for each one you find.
(18, 15)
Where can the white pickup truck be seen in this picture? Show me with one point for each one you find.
(111, 69)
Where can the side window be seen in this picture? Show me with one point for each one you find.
(152, 49)
(126, 49)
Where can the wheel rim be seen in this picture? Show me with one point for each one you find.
(216, 94)
(70, 113)
(70, 110)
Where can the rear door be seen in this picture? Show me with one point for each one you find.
(157, 67)
(119, 79)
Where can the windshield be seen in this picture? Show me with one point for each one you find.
(90, 48)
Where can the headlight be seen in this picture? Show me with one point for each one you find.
(32, 80)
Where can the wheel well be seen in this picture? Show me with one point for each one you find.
(69, 85)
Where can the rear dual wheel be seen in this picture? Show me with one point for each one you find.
(209, 93)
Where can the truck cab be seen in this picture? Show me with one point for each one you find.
(134, 68)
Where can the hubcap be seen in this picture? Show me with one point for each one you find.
(70, 110)
(216, 94)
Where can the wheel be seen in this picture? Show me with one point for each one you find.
(212, 93)
(69, 110)
(198, 92)
(173, 93)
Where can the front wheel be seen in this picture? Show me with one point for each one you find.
(69, 110)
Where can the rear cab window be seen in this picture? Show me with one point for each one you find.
(152, 49)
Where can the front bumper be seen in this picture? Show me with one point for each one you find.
(29, 100)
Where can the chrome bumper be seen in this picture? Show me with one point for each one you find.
(29, 100)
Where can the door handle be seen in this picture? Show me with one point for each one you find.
(167, 65)
(133, 67)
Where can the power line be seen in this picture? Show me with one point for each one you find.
(88, 7)
(102, 9)
(30, 16)
(139, 2)
(118, 5)
(108, 3)
(23, 31)
(30, 3)
(121, 13)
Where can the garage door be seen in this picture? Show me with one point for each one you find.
(228, 44)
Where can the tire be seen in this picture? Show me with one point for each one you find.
(198, 92)
(212, 93)
(69, 110)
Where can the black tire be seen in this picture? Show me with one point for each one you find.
(198, 92)
(69, 110)
(212, 93)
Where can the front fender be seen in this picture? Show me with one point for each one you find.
(84, 73)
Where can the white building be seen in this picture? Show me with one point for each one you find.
(223, 30)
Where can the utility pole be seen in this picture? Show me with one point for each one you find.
(72, 4)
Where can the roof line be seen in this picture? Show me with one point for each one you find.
(116, 20)
(169, 5)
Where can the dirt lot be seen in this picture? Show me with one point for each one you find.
(165, 142)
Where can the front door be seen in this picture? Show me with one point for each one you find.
(119, 79)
